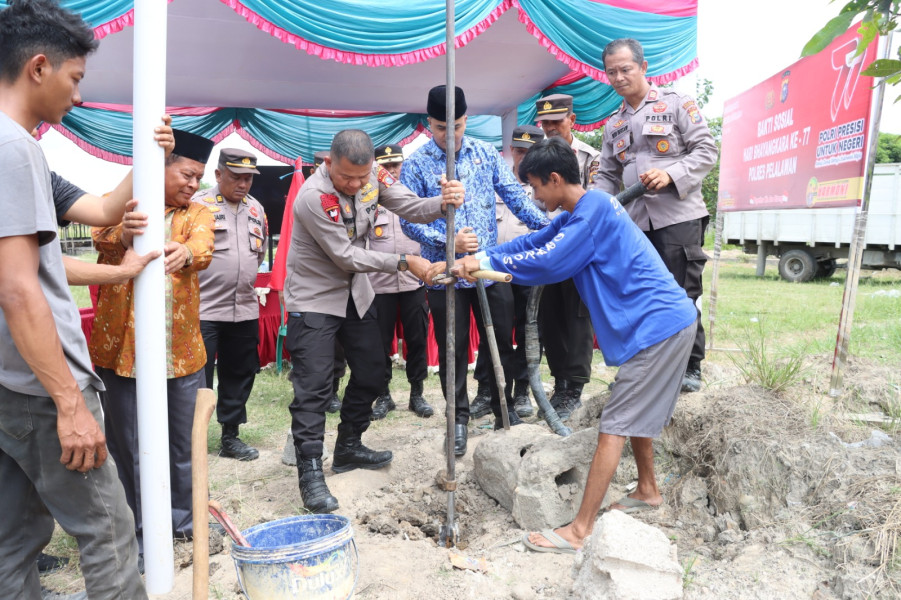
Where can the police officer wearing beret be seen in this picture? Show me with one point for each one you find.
(509, 228)
(399, 293)
(329, 297)
(658, 137)
(567, 334)
(229, 310)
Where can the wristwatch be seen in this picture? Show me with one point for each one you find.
(402, 263)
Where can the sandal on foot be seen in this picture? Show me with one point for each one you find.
(560, 545)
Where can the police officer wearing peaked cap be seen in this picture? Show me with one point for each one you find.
(399, 293)
(229, 310)
(568, 336)
(509, 228)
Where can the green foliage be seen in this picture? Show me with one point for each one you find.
(710, 186)
(879, 18)
(758, 365)
(889, 148)
(592, 138)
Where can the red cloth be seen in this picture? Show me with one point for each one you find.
(87, 322)
(279, 264)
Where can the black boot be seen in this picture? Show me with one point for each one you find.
(557, 398)
(334, 404)
(350, 453)
(514, 420)
(417, 402)
(383, 405)
(521, 402)
(233, 447)
(313, 491)
(691, 381)
(460, 435)
(572, 399)
(481, 404)
(50, 564)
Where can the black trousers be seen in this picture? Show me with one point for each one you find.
(500, 302)
(413, 310)
(566, 332)
(233, 347)
(519, 368)
(311, 342)
(681, 248)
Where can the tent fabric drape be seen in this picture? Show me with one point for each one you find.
(105, 130)
(370, 32)
(105, 16)
(398, 32)
(669, 42)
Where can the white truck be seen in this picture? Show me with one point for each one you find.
(808, 241)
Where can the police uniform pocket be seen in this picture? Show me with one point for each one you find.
(313, 320)
(256, 243)
(15, 414)
(659, 136)
(221, 242)
(695, 259)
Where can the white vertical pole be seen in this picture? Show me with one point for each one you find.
(149, 83)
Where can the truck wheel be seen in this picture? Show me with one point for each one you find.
(797, 266)
(825, 269)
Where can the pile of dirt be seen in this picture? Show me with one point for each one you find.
(764, 498)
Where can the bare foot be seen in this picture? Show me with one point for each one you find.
(651, 501)
(565, 532)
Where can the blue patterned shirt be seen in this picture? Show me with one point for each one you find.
(483, 173)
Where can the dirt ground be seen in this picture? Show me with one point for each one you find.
(763, 498)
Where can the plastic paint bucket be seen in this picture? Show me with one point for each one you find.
(313, 557)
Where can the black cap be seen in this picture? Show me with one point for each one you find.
(554, 107)
(193, 146)
(525, 136)
(238, 161)
(385, 155)
(437, 104)
(319, 157)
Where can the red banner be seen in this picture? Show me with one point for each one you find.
(799, 139)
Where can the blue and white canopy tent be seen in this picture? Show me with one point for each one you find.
(288, 74)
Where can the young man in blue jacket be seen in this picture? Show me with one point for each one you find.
(644, 321)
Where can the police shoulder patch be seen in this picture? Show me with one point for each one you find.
(385, 178)
(330, 206)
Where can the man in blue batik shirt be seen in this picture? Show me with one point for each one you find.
(484, 174)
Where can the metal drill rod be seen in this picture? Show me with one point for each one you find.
(492, 348)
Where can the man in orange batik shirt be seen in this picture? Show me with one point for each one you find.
(189, 249)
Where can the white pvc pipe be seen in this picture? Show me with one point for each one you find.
(149, 87)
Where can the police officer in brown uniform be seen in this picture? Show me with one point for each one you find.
(566, 330)
(229, 310)
(399, 293)
(328, 296)
(508, 228)
(340, 367)
(659, 137)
